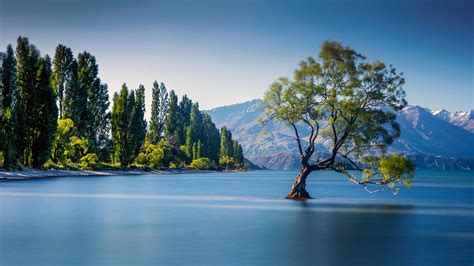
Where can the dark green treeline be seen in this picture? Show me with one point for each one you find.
(56, 114)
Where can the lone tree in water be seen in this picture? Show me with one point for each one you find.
(352, 102)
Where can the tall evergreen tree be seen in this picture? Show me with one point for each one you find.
(138, 126)
(172, 121)
(210, 138)
(102, 123)
(27, 62)
(2, 54)
(45, 114)
(74, 98)
(194, 132)
(159, 109)
(226, 147)
(62, 73)
(8, 114)
(184, 117)
(9, 78)
(237, 152)
(88, 87)
(120, 126)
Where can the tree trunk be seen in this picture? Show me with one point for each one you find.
(298, 190)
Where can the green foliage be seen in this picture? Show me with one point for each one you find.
(8, 113)
(226, 148)
(171, 131)
(396, 169)
(31, 134)
(227, 162)
(121, 114)
(77, 148)
(202, 163)
(138, 122)
(358, 99)
(62, 140)
(89, 161)
(88, 87)
(26, 67)
(159, 110)
(128, 124)
(8, 77)
(153, 156)
(101, 124)
(45, 114)
(62, 73)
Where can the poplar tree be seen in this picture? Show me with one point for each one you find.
(62, 73)
(102, 123)
(45, 113)
(27, 61)
(159, 109)
(211, 138)
(226, 147)
(194, 132)
(88, 86)
(73, 97)
(138, 121)
(8, 114)
(184, 117)
(121, 112)
(172, 121)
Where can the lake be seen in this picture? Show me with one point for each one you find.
(235, 219)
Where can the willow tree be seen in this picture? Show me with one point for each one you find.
(351, 104)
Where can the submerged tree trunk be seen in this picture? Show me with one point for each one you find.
(298, 190)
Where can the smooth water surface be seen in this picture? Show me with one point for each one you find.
(235, 219)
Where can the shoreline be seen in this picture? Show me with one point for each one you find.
(28, 174)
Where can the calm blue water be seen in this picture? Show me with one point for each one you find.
(235, 219)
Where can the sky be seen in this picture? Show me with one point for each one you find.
(225, 52)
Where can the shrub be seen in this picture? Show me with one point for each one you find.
(151, 156)
(141, 159)
(202, 163)
(89, 161)
(154, 156)
(227, 162)
(77, 148)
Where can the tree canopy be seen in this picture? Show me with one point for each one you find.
(58, 114)
(342, 97)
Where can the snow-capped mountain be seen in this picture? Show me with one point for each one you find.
(434, 141)
(462, 119)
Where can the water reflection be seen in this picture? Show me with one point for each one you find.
(221, 220)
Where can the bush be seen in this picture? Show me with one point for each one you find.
(227, 162)
(77, 148)
(141, 159)
(202, 163)
(89, 161)
(152, 156)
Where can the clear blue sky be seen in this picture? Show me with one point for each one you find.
(224, 52)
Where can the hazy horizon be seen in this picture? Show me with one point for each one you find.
(225, 52)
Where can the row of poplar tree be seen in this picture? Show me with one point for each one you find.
(56, 112)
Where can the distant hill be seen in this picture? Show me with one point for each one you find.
(436, 140)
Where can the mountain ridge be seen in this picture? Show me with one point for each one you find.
(434, 141)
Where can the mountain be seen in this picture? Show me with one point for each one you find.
(431, 139)
(461, 119)
(424, 133)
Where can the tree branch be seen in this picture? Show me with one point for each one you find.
(298, 139)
